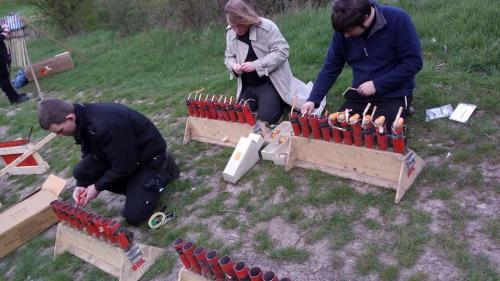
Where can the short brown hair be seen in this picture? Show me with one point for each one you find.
(347, 14)
(240, 12)
(53, 111)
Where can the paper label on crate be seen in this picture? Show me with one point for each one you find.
(463, 112)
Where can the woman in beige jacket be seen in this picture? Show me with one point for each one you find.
(257, 55)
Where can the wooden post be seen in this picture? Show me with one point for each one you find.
(103, 255)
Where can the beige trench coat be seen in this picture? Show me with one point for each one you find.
(271, 49)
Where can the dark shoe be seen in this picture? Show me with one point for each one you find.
(22, 97)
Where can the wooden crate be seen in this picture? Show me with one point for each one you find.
(56, 64)
(215, 131)
(187, 275)
(381, 168)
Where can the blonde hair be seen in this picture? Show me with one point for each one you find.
(239, 12)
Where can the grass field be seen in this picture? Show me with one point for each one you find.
(303, 223)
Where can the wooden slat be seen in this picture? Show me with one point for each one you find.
(215, 131)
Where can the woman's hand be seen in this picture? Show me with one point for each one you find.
(237, 69)
(248, 67)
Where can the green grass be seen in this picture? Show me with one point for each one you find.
(154, 70)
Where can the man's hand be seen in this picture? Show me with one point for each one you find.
(237, 68)
(78, 193)
(248, 67)
(367, 89)
(307, 107)
(91, 194)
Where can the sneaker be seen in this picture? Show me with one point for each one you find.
(22, 97)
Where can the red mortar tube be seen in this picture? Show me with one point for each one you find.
(213, 260)
(188, 250)
(355, 123)
(369, 134)
(199, 254)
(241, 271)
(232, 113)
(225, 113)
(190, 107)
(337, 134)
(213, 111)
(398, 141)
(218, 108)
(201, 108)
(381, 132)
(96, 220)
(325, 128)
(239, 112)
(56, 206)
(347, 134)
(227, 266)
(256, 274)
(314, 123)
(207, 107)
(248, 114)
(178, 244)
(92, 228)
(270, 276)
(304, 125)
(294, 120)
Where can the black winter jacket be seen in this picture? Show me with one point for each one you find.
(117, 135)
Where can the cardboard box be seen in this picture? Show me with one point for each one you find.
(56, 64)
(30, 216)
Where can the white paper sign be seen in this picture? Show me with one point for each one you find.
(462, 112)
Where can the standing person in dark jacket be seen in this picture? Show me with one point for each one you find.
(5, 84)
(122, 152)
(381, 45)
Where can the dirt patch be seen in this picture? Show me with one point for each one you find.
(439, 213)
(436, 267)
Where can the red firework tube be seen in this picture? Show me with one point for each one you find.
(124, 238)
(213, 261)
(398, 141)
(227, 266)
(314, 123)
(56, 206)
(189, 105)
(248, 114)
(294, 120)
(368, 131)
(356, 129)
(218, 108)
(200, 106)
(270, 276)
(194, 106)
(325, 128)
(188, 249)
(178, 244)
(90, 225)
(347, 134)
(304, 125)
(82, 217)
(381, 132)
(337, 134)
(256, 274)
(110, 229)
(232, 113)
(207, 107)
(239, 112)
(200, 255)
(213, 111)
(225, 113)
(102, 224)
(241, 271)
(71, 216)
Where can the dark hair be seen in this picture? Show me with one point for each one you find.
(53, 111)
(347, 14)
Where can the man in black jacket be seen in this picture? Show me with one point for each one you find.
(122, 152)
(5, 84)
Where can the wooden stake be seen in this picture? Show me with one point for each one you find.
(397, 117)
(366, 109)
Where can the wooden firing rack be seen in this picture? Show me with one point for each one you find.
(111, 259)
(224, 133)
(187, 275)
(381, 168)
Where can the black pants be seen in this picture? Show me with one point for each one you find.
(142, 189)
(5, 84)
(265, 100)
(385, 107)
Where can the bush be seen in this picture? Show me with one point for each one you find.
(71, 16)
